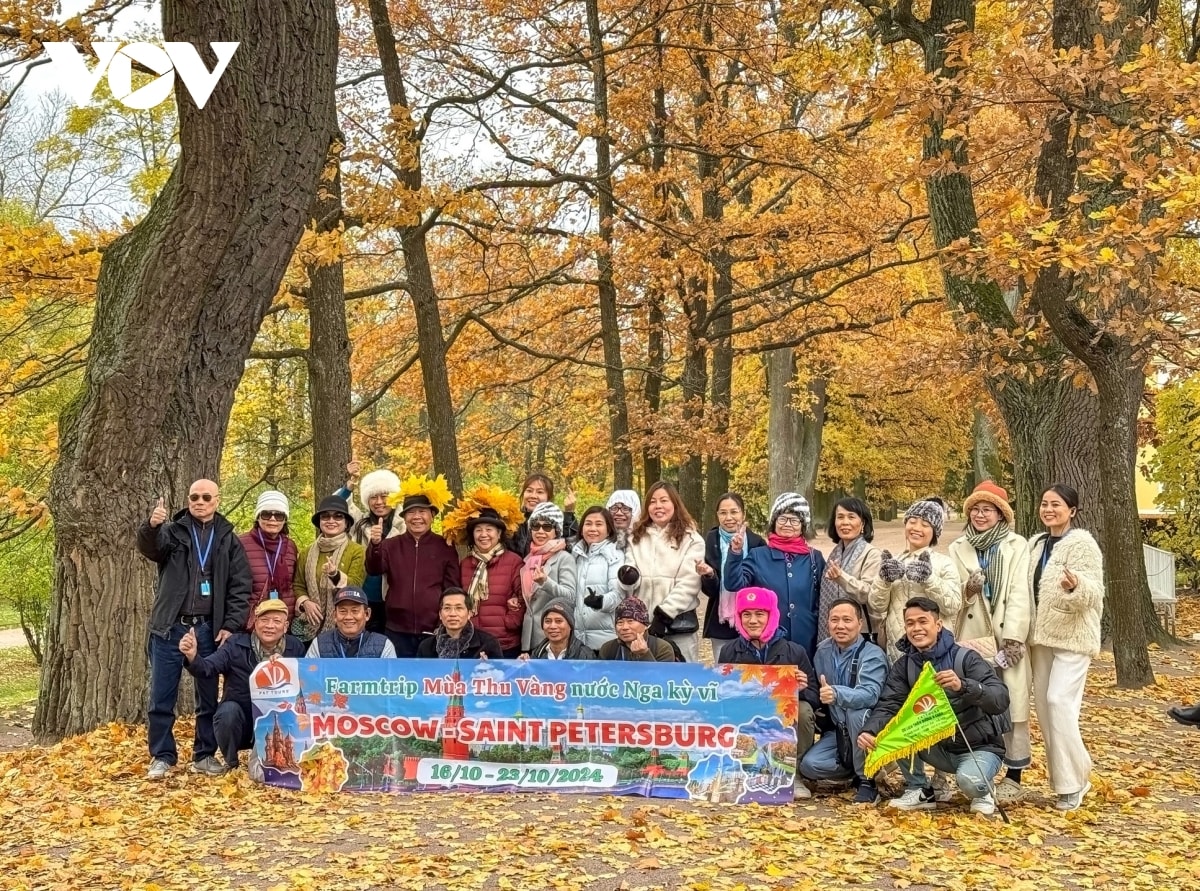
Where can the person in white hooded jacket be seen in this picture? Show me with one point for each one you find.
(625, 506)
(597, 560)
(660, 569)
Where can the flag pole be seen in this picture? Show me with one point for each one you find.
(991, 786)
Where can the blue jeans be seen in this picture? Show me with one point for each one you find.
(821, 761)
(166, 668)
(974, 772)
(232, 731)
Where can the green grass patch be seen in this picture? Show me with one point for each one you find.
(18, 677)
(8, 617)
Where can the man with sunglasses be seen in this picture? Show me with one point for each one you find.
(203, 588)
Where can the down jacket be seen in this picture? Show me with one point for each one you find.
(596, 568)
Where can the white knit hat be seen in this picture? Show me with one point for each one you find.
(791, 503)
(377, 482)
(547, 512)
(630, 499)
(272, 500)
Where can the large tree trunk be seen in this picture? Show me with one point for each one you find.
(614, 368)
(720, 386)
(431, 340)
(794, 434)
(179, 300)
(694, 383)
(656, 364)
(328, 354)
(1052, 425)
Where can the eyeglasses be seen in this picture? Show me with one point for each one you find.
(788, 521)
(620, 509)
(330, 515)
(545, 527)
(273, 515)
(201, 496)
(729, 513)
(983, 509)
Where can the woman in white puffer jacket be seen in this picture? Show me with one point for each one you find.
(597, 560)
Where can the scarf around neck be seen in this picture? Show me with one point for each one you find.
(319, 587)
(477, 591)
(794, 546)
(987, 552)
(538, 557)
(727, 600)
(448, 647)
(841, 556)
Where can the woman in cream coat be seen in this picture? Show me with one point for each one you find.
(660, 568)
(1067, 578)
(994, 562)
(917, 572)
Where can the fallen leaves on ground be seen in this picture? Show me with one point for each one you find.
(80, 815)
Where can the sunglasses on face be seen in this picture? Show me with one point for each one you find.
(545, 527)
(200, 496)
(329, 515)
(272, 515)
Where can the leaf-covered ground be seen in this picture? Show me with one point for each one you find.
(80, 815)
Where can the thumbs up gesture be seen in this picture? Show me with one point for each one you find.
(159, 515)
(188, 646)
(377, 532)
(828, 694)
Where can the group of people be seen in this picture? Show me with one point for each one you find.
(520, 577)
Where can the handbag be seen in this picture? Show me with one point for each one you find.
(984, 646)
(684, 623)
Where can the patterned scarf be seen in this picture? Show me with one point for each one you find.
(261, 653)
(453, 647)
(987, 552)
(320, 588)
(477, 592)
(842, 555)
(537, 557)
(727, 601)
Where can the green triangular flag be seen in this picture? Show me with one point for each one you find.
(925, 718)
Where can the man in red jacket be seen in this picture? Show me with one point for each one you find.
(418, 566)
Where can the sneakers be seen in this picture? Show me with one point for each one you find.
(800, 790)
(866, 793)
(914, 800)
(209, 766)
(944, 789)
(1072, 801)
(1009, 791)
(158, 769)
(985, 805)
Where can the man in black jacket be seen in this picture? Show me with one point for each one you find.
(233, 722)
(979, 699)
(203, 586)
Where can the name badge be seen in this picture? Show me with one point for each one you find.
(205, 589)
(273, 595)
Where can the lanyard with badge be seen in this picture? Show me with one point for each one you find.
(272, 562)
(202, 559)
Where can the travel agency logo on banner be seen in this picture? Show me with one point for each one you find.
(165, 61)
(721, 734)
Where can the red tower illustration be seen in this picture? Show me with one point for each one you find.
(452, 747)
(301, 706)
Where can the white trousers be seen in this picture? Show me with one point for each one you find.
(688, 645)
(1058, 681)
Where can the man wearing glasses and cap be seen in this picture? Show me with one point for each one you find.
(203, 589)
(233, 723)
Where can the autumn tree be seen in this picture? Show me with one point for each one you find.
(179, 300)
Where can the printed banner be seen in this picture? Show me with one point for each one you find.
(722, 734)
(925, 718)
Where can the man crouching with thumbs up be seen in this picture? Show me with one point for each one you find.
(850, 671)
(233, 721)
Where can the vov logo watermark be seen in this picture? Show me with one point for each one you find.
(166, 61)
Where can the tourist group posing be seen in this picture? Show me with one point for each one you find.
(1006, 623)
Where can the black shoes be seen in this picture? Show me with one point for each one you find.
(1189, 716)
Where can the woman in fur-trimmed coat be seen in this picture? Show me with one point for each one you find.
(1067, 578)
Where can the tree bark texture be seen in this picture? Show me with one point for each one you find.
(794, 434)
(179, 301)
(431, 340)
(606, 289)
(328, 355)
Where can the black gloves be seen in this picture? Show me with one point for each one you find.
(594, 599)
(659, 623)
(628, 575)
